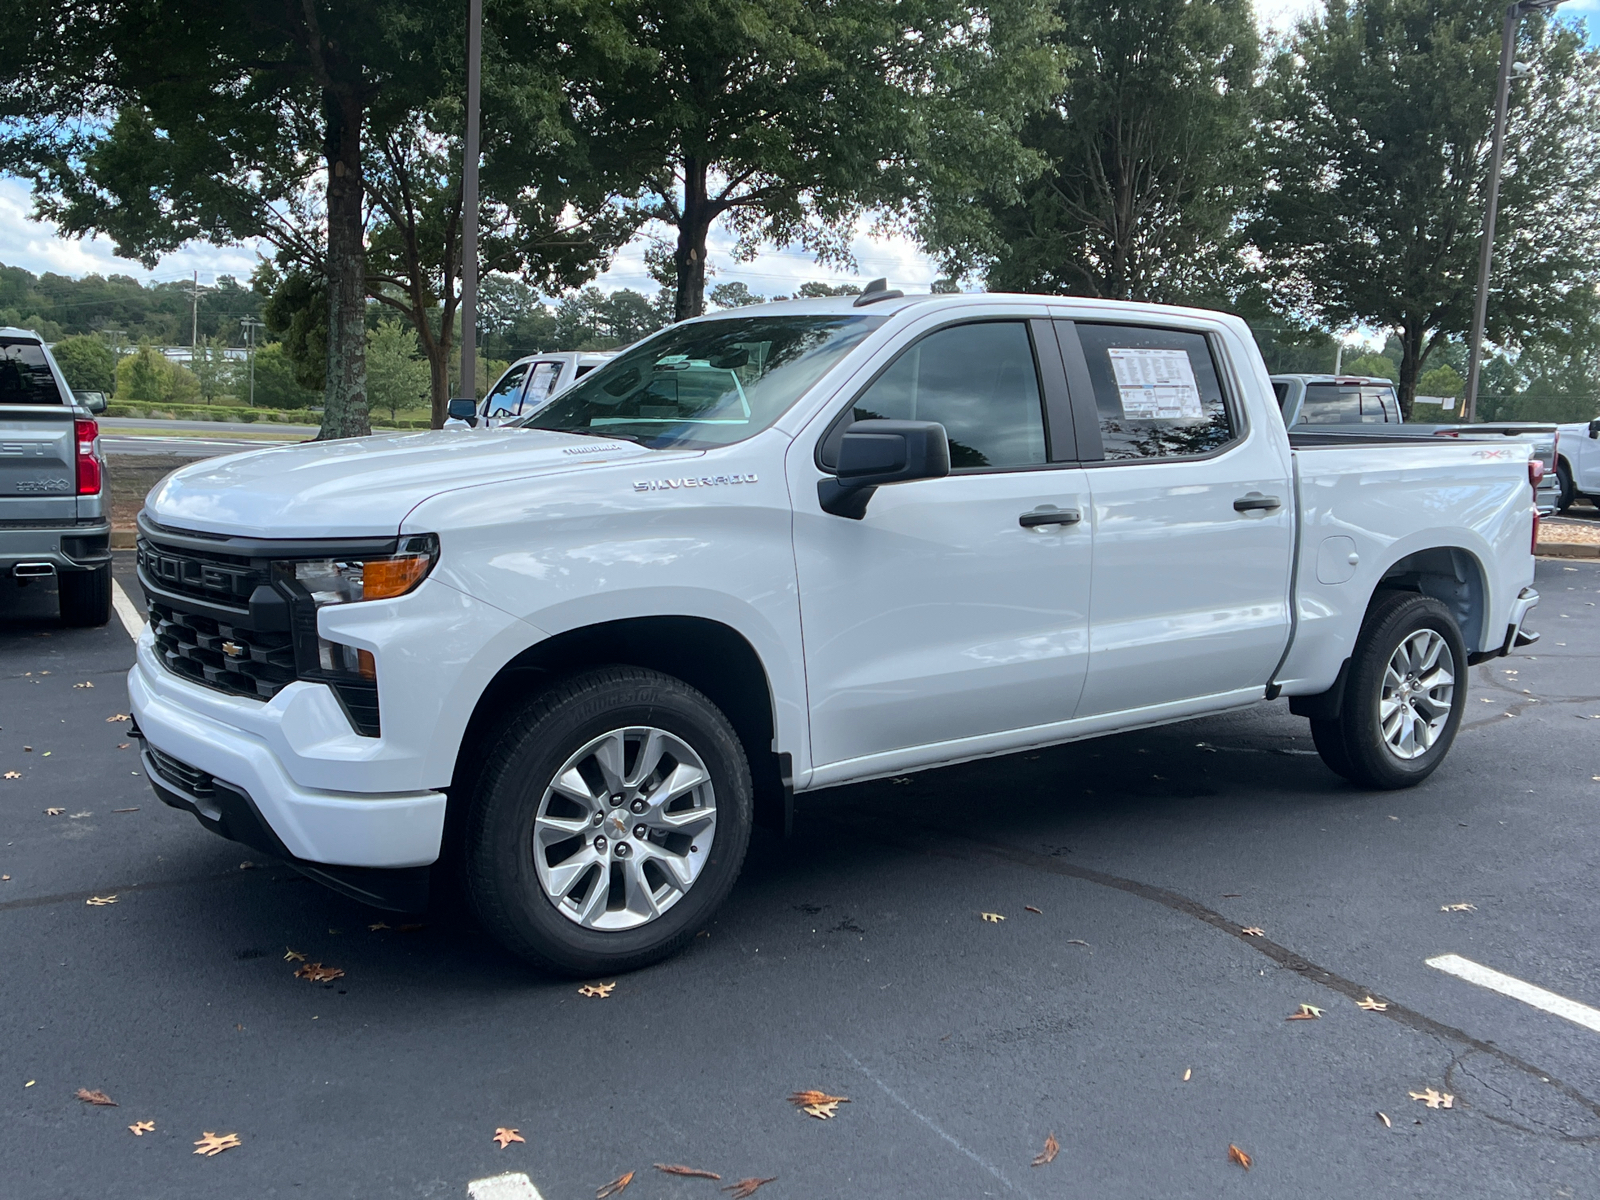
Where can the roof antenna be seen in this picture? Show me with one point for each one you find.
(877, 290)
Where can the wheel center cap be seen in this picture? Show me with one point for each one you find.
(617, 825)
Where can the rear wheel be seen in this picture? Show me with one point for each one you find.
(1404, 695)
(1564, 478)
(610, 820)
(85, 596)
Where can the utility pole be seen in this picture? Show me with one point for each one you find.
(250, 326)
(1480, 310)
(469, 206)
(194, 332)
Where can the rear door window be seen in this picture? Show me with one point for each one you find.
(1157, 392)
(25, 376)
(542, 379)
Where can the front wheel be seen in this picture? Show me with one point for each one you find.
(1404, 695)
(611, 819)
(1564, 480)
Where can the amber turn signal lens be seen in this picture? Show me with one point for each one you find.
(366, 665)
(387, 577)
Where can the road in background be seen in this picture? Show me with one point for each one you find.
(1131, 1016)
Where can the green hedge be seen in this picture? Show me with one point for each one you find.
(215, 412)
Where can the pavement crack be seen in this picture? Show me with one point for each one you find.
(978, 848)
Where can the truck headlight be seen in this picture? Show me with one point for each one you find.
(347, 581)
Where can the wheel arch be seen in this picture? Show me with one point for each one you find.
(709, 655)
(1450, 574)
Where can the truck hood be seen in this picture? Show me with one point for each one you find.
(362, 487)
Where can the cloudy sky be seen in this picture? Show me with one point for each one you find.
(36, 246)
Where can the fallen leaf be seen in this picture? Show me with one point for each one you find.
(1239, 1156)
(18, 775)
(1078, 942)
(818, 1104)
(100, 901)
(692, 1172)
(1048, 1154)
(140, 1128)
(993, 918)
(85, 683)
(122, 745)
(247, 865)
(115, 717)
(601, 990)
(1232, 895)
(747, 1187)
(53, 812)
(506, 1136)
(901, 779)
(213, 1144)
(1032, 909)
(80, 816)
(615, 1186)
(375, 926)
(1371, 1005)
(47, 754)
(4, 878)
(292, 955)
(317, 973)
(1458, 908)
(1308, 1012)
(1435, 1099)
(1384, 1117)
(94, 1097)
(1187, 1071)
(117, 810)
(1253, 931)
(30, 1083)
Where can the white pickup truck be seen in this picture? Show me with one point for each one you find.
(782, 548)
(1578, 463)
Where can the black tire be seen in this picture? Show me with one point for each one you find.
(1354, 746)
(85, 596)
(501, 879)
(1564, 478)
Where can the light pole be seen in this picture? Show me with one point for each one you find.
(469, 206)
(250, 326)
(1508, 47)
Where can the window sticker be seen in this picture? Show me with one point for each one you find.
(539, 384)
(1155, 384)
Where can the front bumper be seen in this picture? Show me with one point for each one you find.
(313, 827)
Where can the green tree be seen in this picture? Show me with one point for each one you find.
(734, 295)
(87, 363)
(277, 384)
(1377, 144)
(788, 120)
(1150, 153)
(1376, 365)
(1442, 381)
(396, 377)
(214, 372)
(816, 288)
(147, 377)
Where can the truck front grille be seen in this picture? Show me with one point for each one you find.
(228, 657)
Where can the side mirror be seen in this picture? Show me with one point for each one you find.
(463, 408)
(97, 403)
(1594, 429)
(874, 453)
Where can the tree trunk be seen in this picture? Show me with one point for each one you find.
(344, 412)
(693, 226)
(1411, 349)
(439, 380)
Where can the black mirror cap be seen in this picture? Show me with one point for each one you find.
(876, 452)
(1594, 429)
(462, 408)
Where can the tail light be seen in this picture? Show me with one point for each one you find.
(1534, 547)
(1535, 471)
(86, 433)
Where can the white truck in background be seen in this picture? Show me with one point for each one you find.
(574, 658)
(1578, 464)
(526, 385)
(1367, 406)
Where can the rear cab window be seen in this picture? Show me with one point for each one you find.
(25, 374)
(1349, 404)
(1157, 392)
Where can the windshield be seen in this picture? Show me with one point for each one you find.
(705, 384)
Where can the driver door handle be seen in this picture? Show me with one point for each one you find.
(1252, 501)
(1049, 516)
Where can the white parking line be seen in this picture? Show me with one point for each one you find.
(129, 615)
(512, 1186)
(1509, 985)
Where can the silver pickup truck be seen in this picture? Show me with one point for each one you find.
(1364, 405)
(55, 512)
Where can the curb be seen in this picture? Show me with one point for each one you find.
(1553, 550)
(123, 539)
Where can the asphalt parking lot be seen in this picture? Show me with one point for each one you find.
(1130, 1016)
